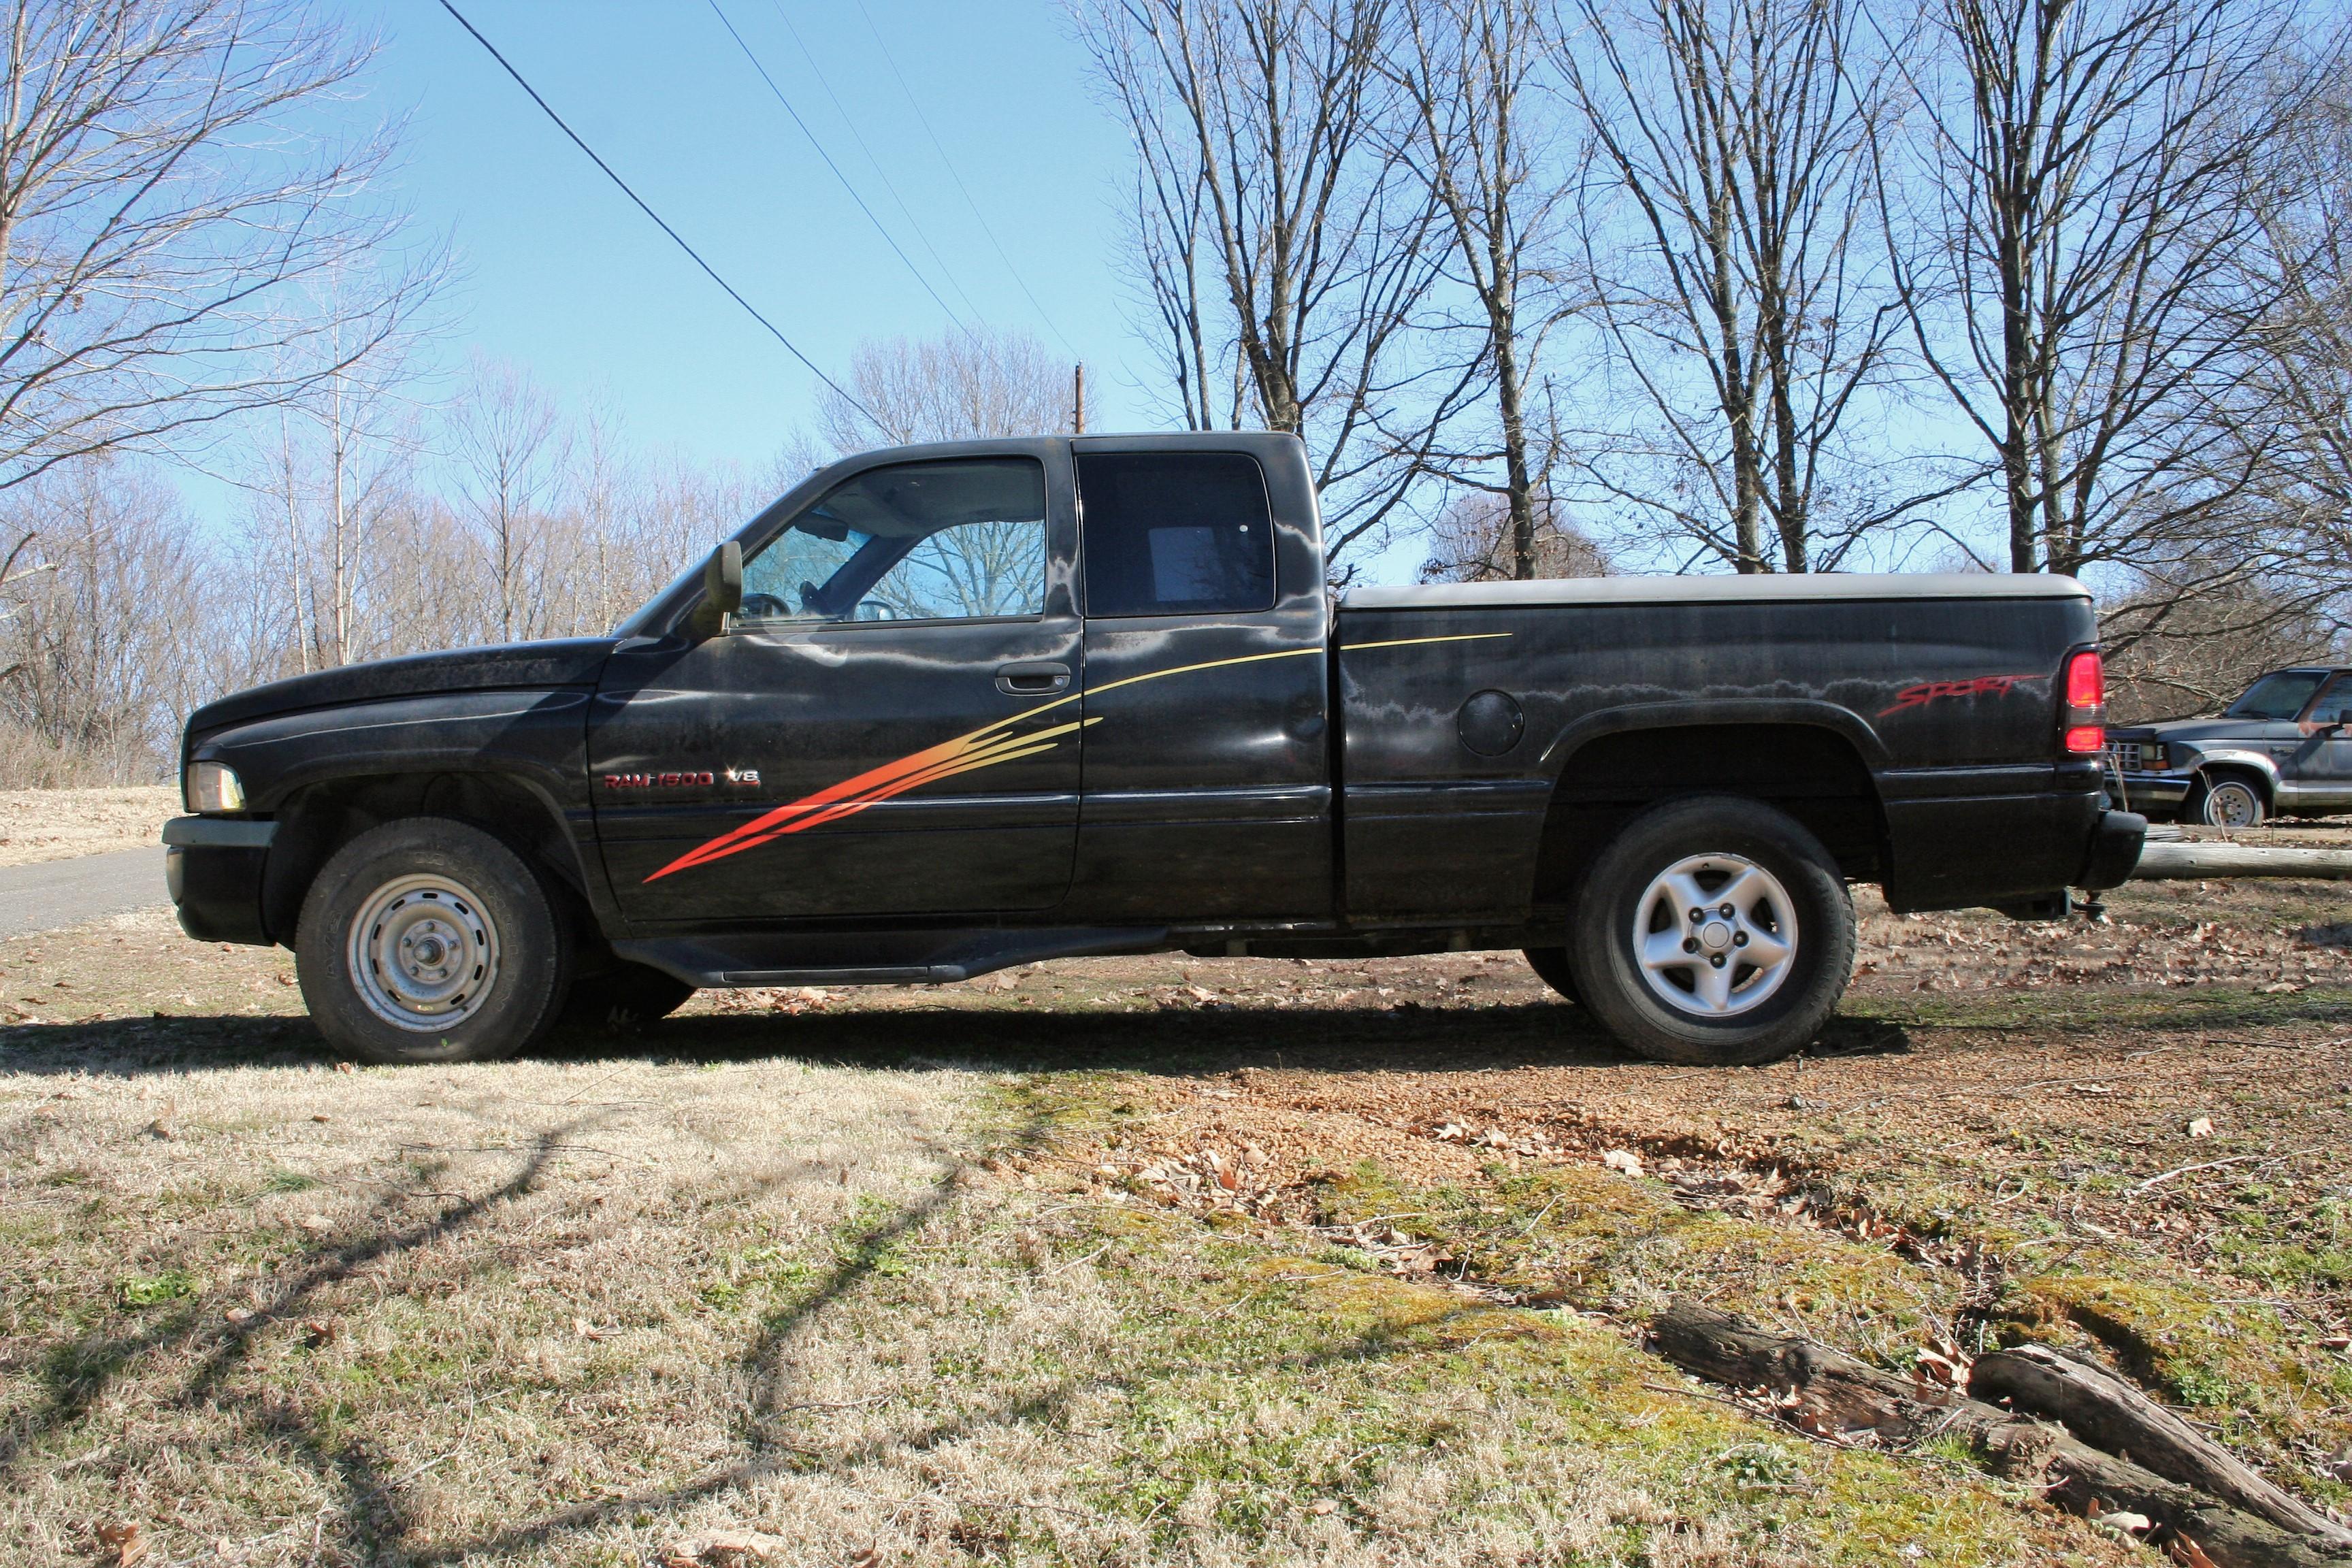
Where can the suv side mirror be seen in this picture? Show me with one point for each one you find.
(722, 591)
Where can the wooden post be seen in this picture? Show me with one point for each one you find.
(1078, 399)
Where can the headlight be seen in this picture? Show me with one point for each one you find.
(213, 787)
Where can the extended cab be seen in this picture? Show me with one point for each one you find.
(942, 710)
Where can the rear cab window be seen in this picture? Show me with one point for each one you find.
(1175, 533)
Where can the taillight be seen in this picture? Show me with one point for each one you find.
(2085, 717)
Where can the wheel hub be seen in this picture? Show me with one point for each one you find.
(1715, 936)
(424, 952)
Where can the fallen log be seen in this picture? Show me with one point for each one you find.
(2102, 1409)
(1830, 1393)
(2177, 862)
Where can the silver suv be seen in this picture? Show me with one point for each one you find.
(2283, 749)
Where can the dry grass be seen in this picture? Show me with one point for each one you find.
(846, 1268)
(59, 824)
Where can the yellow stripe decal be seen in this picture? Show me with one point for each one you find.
(1417, 642)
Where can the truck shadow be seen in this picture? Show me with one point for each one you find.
(1182, 1042)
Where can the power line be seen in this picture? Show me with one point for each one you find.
(842, 109)
(925, 120)
(886, 237)
(679, 239)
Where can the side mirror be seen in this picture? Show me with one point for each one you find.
(723, 592)
(722, 579)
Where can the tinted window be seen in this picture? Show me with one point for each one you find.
(2277, 697)
(1176, 533)
(2335, 707)
(921, 542)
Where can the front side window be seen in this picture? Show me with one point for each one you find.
(1175, 533)
(963, 539)
(2335, 706)
(2277, 698)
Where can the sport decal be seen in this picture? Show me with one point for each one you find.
(1928, 691)
(984, 747)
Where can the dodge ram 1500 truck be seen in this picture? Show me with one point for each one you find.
(942, 710)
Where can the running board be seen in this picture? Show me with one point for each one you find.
(879, 958)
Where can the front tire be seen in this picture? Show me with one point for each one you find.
(2226, 800)
(427, 939)
(1715, 931)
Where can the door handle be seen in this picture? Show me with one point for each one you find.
(1037, 679)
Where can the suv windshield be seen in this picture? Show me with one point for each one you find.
(2277, 697)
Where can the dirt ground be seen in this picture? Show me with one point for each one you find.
(60, 823)
(1153, 1260)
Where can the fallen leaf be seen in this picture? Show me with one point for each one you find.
(239, 1316)
(125, 1541)
(317, 1222)
(2123, 1519)
(2201, 1127)
(322, 1330)
(1322, 1506)
(345, 1066)
(322, 1118)
(2187, 1552)
(1622, 1160)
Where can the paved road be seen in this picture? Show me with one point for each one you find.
(67, 892)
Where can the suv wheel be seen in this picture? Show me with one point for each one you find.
(2226, 800)
(1714, 930)
(427, 939)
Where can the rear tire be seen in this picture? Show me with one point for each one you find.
(427, 939)
(1553, 967)
(1760, 969)
(625, 996)
(2225, 800)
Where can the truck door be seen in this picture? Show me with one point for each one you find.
(889, 727)
(2327, 756)
(1207, 792)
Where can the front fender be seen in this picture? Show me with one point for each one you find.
(2255, 761)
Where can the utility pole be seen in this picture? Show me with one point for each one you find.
(1078, 399)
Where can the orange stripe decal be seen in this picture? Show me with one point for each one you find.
(982, 748)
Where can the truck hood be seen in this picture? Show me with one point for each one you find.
(571, 661)
(2195, 731)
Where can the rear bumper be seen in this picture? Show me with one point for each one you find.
(213, 867)
(2115, 850)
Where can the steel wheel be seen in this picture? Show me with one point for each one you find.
(424, 952)
(1715, 936)
(2231, 802)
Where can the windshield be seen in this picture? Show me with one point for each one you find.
(2277, 697)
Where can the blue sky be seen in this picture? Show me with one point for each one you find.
(562, 277)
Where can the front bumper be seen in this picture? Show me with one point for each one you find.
(2136, 792)
(213, 867)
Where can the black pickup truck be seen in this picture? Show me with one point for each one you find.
(947, 708)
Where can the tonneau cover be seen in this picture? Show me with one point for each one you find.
(1772, 587)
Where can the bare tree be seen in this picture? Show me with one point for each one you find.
(506, 441)
(1720, 241)
(1476, 538)
(1478, 138)
(2068, 242)
(105, 649)
(967, 385)
(165, 197)
(1285, 243)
